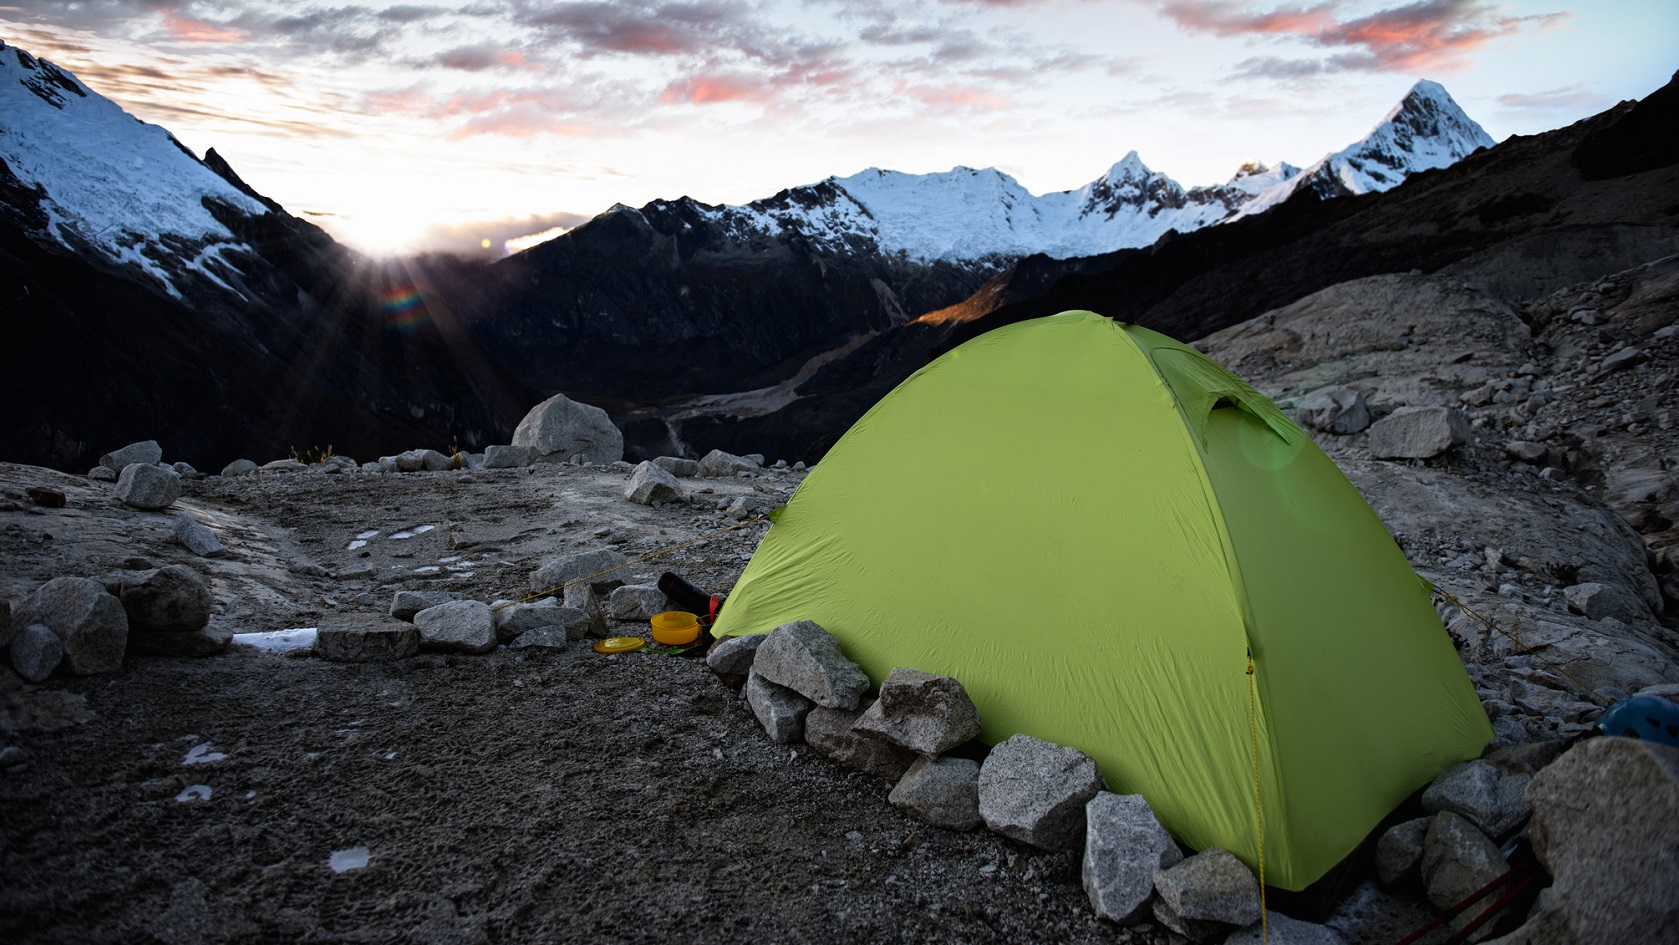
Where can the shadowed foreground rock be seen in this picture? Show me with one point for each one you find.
(1606, 827)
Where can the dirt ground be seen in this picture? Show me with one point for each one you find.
(524, 796)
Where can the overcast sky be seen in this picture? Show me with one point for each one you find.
(415, 125)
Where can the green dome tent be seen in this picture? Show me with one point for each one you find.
(1093, 526)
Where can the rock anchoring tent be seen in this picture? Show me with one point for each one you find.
(1093, 527)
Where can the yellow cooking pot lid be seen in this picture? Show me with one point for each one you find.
(619, 644)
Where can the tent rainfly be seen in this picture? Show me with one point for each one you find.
(1094, 528)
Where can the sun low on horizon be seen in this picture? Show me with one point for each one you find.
(482, 129)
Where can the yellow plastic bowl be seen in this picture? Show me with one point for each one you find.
(675, 627)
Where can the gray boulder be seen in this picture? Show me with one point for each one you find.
(1606, 827)
(830, 732)
(1035, 792)
(365, 638)
(463, 625)
(1624, 358)
(1478, 790)
(1123, 847)
(423, 460)
(405, 604)
(102, 474)
(733, 656)
(89, 622)
(1457, 859)
(240, 467)
(515, 620)
(561, 430)
(1400, 850)
(1279, 929)
(604, 568)
(36, 652)
(1418, 433)
(807, 659)
(508, 457)
(147, 453)
(720, 464)
(649, 484)
(677, 466)
(1597, 601)
(283, 466)
(1335, 409)
(546, 638)
(637, 602)
(147, 487)
(1527, 757)
(197, 537)
(580, 597)
(170, 599)
(922, 712)
(1207, 893)
(943, 792)
(742, 508)
(780, 710)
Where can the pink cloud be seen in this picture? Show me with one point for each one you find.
(198, 31)
(717, 87)
(486, 56)
(513, 113)
(1429, 35)
(1232, 18)
(524, 121)
(410, 100)
(954, 97)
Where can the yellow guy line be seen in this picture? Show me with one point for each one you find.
(1258, 812)
(1518, 641)
(661, 551)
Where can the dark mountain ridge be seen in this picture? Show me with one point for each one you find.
(642, 305)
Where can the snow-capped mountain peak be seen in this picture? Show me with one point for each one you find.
(970, 215)
(88, 175)
(1425, 131)
(1128, 168)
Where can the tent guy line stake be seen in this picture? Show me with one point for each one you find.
(1528, 649)
(1258, 812)
(646, 557)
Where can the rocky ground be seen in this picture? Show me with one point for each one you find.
(544, 795)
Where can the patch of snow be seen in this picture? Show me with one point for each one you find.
(125, 188)
(370, 533)
(428, 569)
(277, 641)
(343, 861)
(352, 546)
(202, 754)
(193, 792)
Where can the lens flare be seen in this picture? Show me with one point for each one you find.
(404, 307)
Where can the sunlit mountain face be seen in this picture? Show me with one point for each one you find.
(157, 296)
